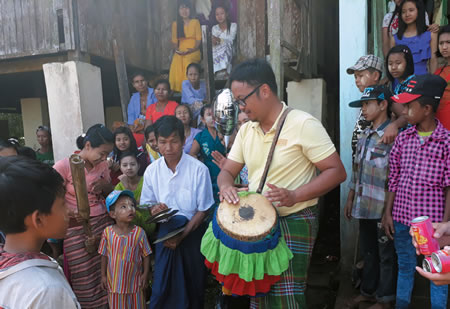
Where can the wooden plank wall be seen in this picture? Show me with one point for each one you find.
(29, 27)
(167, 14)
(126, 21)
(307, 25)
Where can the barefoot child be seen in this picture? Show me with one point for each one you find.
(33, 209)
(367, 197)
(418, 179)
(125, 254)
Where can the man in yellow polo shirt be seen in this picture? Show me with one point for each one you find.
(292, 184)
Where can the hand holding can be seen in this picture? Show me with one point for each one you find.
(423, 234)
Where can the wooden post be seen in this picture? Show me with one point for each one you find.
(378, 11)
(275, 12)
(260, 33)
(121, 71)
(208, 63)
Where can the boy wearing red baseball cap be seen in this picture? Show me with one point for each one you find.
(419, 178)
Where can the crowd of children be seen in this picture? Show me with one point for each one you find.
(401, 154)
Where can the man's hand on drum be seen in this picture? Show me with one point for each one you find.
(230, 194)
(282, 196)
(158, 208)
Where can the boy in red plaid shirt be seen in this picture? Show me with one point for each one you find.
(419, 179)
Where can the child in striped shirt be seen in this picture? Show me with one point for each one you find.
(125, 254)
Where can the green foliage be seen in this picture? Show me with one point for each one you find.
(15, 124)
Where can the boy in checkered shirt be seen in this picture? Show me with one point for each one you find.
(419, 179)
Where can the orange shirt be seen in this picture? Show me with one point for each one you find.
(154, 115)
(443, 112)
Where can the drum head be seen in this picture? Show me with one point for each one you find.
(250, 220)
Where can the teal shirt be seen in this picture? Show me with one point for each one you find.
(207, 146)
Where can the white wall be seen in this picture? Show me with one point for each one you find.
(308, 95)
(353, 44)
(75, 102)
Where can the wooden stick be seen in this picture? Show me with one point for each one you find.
(79, 184)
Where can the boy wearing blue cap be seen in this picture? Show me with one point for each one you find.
(367, 196)
(125, 252)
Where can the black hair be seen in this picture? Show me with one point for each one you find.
(167, 125)
(225, 7)
(133, 145)
(26, 186)
(420, 21)
(97, 135)
(26, 152)
(255, 72)
(136, 74)
(388, 107)
(194, 65)
(204, 108)
(148, 130)
(424, 101)
(127, 154)
(180, 22)
(9, 143)
(191, 116)
(401, 49)
(163, 81)
(444, 29)
(44, 128)
(113, 206)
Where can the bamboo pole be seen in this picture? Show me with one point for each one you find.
(79, 184)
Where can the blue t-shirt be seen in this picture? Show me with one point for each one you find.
(420, 49)
(189, 95)
(134, 107)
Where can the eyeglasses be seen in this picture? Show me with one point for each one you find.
(241, 102)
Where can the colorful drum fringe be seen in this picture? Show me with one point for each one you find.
(242, 267)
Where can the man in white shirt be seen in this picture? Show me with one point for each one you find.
(178, 181)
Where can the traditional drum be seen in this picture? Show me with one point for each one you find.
(244, 248)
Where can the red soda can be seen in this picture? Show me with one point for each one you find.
(423, 233)
(441, 261)
(427, 265)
